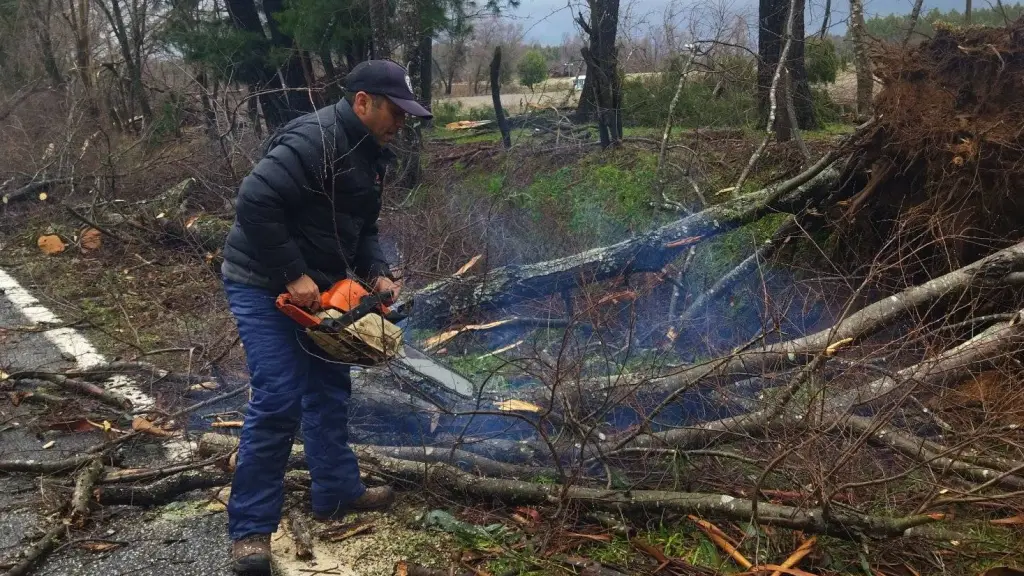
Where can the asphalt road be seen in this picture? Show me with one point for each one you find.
(186, 538)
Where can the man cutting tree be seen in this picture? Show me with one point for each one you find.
(306, 217)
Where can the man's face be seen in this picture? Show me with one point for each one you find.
(381, 116)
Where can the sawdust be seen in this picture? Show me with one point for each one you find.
(394, 537)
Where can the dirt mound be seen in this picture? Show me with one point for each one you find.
(947, 157)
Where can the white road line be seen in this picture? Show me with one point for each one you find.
(73, 344)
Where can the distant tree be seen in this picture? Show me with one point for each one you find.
(533, 68)
(821, 60)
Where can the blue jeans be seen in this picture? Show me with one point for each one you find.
(290, 383)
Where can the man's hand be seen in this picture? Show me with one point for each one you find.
(305, 293)
(384, 284)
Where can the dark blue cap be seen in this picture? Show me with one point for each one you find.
(386, 78)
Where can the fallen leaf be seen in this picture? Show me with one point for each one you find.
(140, 424)
(18, 397)
(517, 406)
(91, 240)
(51, 244)
(1011, 521)
(49, 444)
(42, 196)
(191, 221)
(530, 513)
(4, 375)
(98, 546)
(203, 386)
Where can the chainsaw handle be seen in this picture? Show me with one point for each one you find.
(284, 304)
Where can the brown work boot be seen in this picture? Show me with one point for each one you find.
(377, 498)
(251, 555)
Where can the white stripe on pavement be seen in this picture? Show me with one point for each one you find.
(73, 344)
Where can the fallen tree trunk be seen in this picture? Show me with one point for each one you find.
(953, 365)
(449, 479)
(211, 444)
(650, 252)
(161, 491)
(986, 272)
(727, 282)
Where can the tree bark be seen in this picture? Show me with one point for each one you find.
(299, 101)
(264, 82)
(915, 15)
(771, 39)
(861, 59)
(499, 110)
(380, 29)
(603, 67)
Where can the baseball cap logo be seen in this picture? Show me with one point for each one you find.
(408, 82)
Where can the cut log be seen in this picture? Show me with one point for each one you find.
(650, 252)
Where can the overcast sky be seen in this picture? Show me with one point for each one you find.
(545, 21)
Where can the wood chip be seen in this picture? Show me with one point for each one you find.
(468, 265)
(346, 534)
(228, 424)
(92, 239)
(51, 244)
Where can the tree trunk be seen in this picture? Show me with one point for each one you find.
(380, 30)
(915, 14)
(298, 101)
(771, 38)
(426, 50)
(967, 12)
(603, 67)
(440, 302)
(861, 59)
(499, 111)
(263, 80)
(131, 52)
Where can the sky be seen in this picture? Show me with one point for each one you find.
(545, 21)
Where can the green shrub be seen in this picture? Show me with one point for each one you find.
(645, 102)
(826, 110)
(533, 69)
(821, 61)
(447, 111)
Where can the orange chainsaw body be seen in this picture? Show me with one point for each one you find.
(368, 338)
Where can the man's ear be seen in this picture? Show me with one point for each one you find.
(361, 103)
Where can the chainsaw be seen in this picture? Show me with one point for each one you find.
(356, 327)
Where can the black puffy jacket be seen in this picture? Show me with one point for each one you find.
(310, 206)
